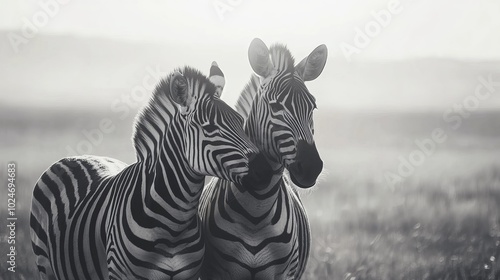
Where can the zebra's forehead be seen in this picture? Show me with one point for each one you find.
(288, 86)
(287, 83)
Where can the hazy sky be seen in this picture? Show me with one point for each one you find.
(451, 28)
(456, 29)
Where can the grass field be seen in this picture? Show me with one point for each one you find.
(442, 222)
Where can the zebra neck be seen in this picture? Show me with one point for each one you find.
(259, 203)
(151, 124)
(174, 186)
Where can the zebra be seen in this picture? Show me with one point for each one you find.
(97, 218)
(263, 232)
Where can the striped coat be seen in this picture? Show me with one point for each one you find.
(97, 218)
(263, 232)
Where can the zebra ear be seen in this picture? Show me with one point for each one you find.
(179, 89)
(312, 66)
(217, 78)
(258, 55)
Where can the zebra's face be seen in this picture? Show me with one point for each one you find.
(281, 118)
(216, 144)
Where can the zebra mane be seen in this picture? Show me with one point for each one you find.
(245, 101)
(283, 60)
(154, 118)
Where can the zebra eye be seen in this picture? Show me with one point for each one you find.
(276, 106)
(210, 129)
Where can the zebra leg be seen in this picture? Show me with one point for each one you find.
(304, 234)
(39, 242)
(58, 197)
(304, 244)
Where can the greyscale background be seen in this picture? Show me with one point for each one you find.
(408, 123)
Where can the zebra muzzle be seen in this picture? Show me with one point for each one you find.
(307, 165)
(259, 173)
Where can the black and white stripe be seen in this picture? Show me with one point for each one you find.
(97, 218)
(263, 233)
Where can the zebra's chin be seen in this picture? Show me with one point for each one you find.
(299, 181)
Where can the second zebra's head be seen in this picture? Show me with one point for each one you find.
(214, 140)
(281, 118)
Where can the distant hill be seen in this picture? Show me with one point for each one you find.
(422, 84)
(78, 70)
(68, 71)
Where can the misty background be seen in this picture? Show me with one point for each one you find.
(441, 221)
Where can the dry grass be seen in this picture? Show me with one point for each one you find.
(441, 223)
(425, 229)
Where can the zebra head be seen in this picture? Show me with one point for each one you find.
(280, 120)
(213, 132)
